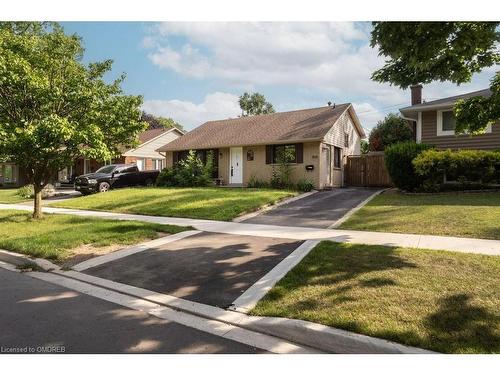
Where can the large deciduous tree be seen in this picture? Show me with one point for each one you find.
(159, 122)
(422, 52)
(254, 104)
(53, 108)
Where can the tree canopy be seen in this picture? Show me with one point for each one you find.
(53, 108)
(422, 52)
(254, 104)
(159, 122)
(392, 129)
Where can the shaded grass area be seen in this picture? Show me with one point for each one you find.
(54, 236)
(199, 203)
(475, 215)
(443, 301)
(10, 196)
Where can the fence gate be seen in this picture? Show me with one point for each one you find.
(366, 170)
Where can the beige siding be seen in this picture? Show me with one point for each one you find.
(224, 165)
(147, 149)
(488, 141)
(262, 171)
(335, 137)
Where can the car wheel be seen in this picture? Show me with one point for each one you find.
(148, 182)
(103, 187)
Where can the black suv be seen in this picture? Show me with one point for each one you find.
(114, 176)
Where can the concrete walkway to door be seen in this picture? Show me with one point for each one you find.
(466, 245)
(319, 210)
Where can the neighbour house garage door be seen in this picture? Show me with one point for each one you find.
(366, 170)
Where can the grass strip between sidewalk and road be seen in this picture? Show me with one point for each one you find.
(475, 215)
(198, 203)
(438, 300)
(60, 237)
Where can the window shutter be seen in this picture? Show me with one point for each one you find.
(175, 157)
(299, 152)
(269, 154)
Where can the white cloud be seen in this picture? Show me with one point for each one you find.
(333, 58)
(368, 115)
(330, 56)
(215, 106)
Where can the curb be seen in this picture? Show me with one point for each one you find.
(270, 207)
(328, 339)
(247, 301)
(314, 335)
(23, 260)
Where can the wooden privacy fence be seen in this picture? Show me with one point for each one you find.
(366, 170)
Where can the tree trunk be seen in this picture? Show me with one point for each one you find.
(37, 211)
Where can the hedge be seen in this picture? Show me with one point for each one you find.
(398, 160)
(465, 166)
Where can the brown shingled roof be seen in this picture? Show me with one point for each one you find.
(305, 124)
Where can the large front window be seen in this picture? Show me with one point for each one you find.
(284, 153)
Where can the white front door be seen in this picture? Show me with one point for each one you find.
(236, 165)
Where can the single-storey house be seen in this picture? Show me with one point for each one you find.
(143, 155)
(434, 123)
(317, 139)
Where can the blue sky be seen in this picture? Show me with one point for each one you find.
(194, 72)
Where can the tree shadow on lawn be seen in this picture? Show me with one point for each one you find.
(460, 326)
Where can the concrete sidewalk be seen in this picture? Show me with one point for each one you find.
(466, 245)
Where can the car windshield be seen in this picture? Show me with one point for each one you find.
(106, 169)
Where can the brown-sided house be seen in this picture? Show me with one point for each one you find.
(317, 139)
(433, 123)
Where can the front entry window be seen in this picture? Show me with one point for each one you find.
(337, 157)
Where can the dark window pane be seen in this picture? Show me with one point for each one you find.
(448, 121)
(337, 157)
(287, 152)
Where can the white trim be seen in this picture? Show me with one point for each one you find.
(254, 294)
(419, 128)
(439, 121)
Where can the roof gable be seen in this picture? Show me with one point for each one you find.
(283, 127)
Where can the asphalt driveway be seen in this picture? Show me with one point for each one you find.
(319, 210)
(209, 268)
(38, 316)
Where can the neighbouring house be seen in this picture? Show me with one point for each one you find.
(143, 155)
(317, 139)
(434, 123)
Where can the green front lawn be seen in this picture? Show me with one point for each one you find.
(462, 215)
(10, 196)
(443, 301)
(199, 203)
(58, 237)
